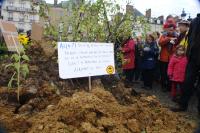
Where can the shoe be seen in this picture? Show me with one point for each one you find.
(179, 109)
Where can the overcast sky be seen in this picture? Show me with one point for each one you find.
(162, 7)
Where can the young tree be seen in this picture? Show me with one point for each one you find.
(96, 21)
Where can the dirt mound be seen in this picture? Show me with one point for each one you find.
(99, 112)
(46, 109)
(44, 68)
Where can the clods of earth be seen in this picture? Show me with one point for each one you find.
(97, 111)
(51, 105)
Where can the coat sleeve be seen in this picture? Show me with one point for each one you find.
(171, 66)
(129, 47)
(163, 40)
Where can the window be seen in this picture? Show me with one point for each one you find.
(10, 15)
(21, 25)
(32, 18)
(21, 17)
(10, 3)
(22, 5)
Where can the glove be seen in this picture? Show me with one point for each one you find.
(147, 49)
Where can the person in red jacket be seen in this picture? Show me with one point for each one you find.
(176, 71)
(128, 51)
(167, 43)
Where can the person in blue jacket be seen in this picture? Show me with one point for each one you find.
(150, 50)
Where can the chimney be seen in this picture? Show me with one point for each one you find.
(148, 13)
(55, 2)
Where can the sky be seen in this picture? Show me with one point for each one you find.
(162, 7)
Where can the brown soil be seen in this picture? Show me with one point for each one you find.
(97, 112)
(51, 105)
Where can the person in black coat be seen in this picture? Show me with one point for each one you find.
(138, 59)
(193, 67)
(150, 50)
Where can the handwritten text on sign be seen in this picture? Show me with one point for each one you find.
(82, 59)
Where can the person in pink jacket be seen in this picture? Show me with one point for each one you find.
(176, 71)
(128, 50)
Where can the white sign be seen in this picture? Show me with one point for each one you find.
(83, 59)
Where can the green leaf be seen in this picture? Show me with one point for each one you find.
(24, 70)
(11, 81)
(9, 65)
(25, 57)
(16, 65)
(16, 57)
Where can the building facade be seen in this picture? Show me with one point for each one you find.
(22, 12)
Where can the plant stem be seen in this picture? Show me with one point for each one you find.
(18, 78)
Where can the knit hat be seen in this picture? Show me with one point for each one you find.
(169, 25)
(184, 22)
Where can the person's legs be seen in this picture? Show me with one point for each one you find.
(125, 73)
(150, 78)
(198, 93)
(157, 71)
(188, 86)
(173, 89)
(128, 76)
(198, 96)
(161, 74)
(137, 73)
(179, 89)
(131, 76)
(144, 75)
(164, 76)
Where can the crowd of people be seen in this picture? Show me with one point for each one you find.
(171, 58)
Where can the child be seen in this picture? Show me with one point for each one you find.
(149, 61)
(176, 71)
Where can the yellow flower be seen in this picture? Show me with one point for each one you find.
(23, 39)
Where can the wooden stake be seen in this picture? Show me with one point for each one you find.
(90, 84)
